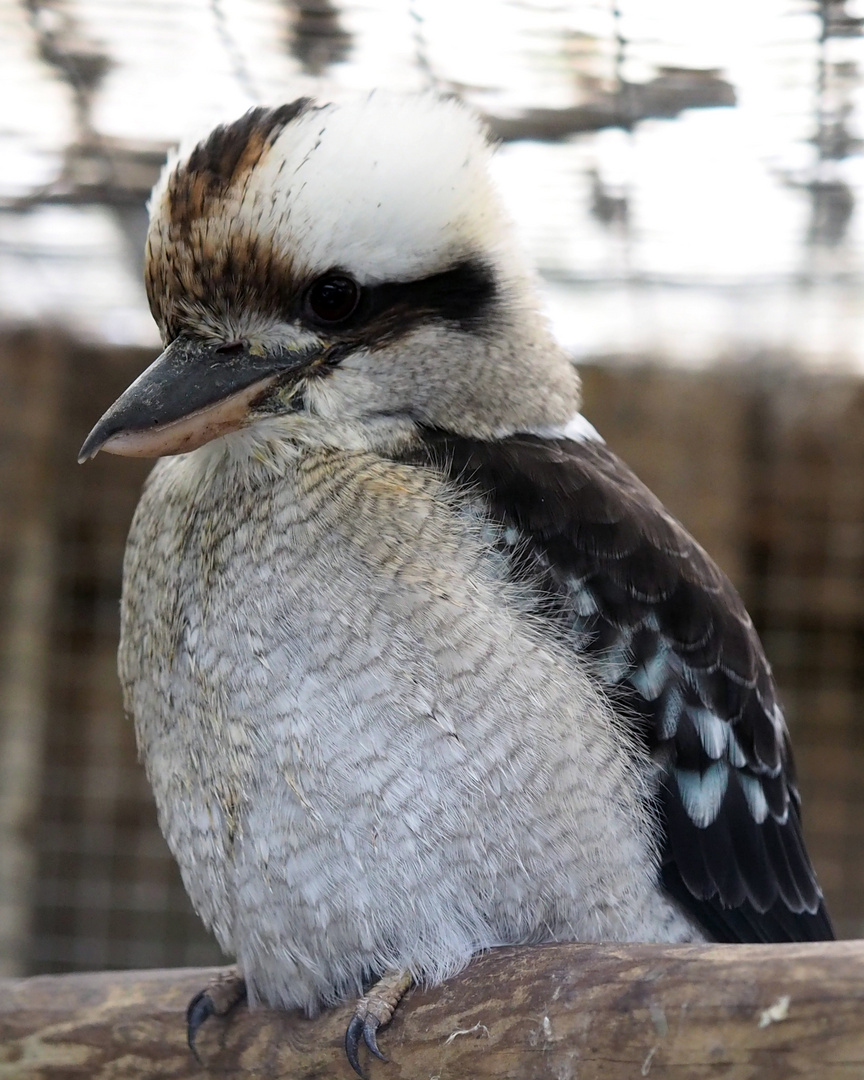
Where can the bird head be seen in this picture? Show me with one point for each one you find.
(337, 272)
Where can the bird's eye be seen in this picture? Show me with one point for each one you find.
(332, 298)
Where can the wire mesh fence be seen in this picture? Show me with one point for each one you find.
(687, 179)
(761, 463)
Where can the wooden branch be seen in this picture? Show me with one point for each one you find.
(586, 1012)
(663, 98)
(118, 172)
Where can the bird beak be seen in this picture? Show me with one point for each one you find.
(191, 394)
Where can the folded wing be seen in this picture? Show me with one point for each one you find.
(675, 646)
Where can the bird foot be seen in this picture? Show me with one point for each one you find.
(217, 998)
(374, 1011)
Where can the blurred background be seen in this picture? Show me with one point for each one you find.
(687, 177)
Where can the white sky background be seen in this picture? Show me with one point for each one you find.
(710, 265)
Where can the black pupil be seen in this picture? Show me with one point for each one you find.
(333, 298)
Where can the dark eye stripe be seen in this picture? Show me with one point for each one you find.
(461, 295)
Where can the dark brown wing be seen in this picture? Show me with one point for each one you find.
(672, 638)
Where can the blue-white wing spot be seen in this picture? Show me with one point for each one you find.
(651, 676)
(702, 793)
(755, 796)
(713, 732)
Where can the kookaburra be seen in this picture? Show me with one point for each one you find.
(417, 666)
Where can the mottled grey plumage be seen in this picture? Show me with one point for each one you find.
(372, 618)
(365, 756)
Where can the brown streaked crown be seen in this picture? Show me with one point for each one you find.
(189, 264)
(224, 159)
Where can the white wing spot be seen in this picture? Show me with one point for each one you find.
(671, 713)
(736, 754)
(580, 597)
(702, 794)
(712, 731)
(650, 678)
(755, 796)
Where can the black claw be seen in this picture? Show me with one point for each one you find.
(368, 1029)
(370, 1032)
(217, 999)
(199, 1009)
(352, 1041)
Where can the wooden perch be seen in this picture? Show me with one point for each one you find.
(586, 1012)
